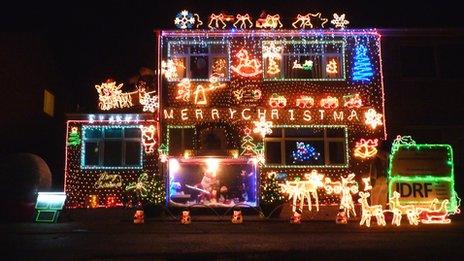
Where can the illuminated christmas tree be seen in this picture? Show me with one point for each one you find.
(362, 68)
(304, 152)
(74, 139)
(270, 191)
(248, 147)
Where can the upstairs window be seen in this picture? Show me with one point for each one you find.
(106, 147)
(312, 146)
(180, 138)
(200, 61)
(304, 60)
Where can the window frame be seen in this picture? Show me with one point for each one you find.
(325, 139)
(101, 147)
(182, 142)
(323, 60)
(210, 56)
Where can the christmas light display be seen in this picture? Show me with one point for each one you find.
(305, 20)
(263, 127)
(409, 210)
(370, 211)
(169, 68)
(347, 188)
(339, 21)
(304, 153)
(258, 73)
(184, 89)
(110, 96)
(271, 191)
(329, 102)
(301, 190)
(362, 68)
(244, 21)
(74, 139)
(248, 147)
(277, 101)
(269, 21)
(372, 118)
(331, 67)
(305, 102)
(367, 183)
(365, 149)
(186, 20)
(218, 21)
(148, 138)
(246, 67)
(108, 181)
(352, 101)
(163, 152)
(200, 96)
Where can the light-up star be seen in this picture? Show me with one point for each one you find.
(263, 127)
(339, 21)
(373, 118)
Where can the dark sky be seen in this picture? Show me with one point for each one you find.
(90, 42)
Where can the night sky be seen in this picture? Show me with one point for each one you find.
(90, 42)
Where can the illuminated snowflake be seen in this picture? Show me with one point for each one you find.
(373, 118)
(339, 21)
(149, 102)
(263, 127)
(184, 20)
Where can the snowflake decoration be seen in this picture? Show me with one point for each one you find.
(149, 103)
(184, 20)
(263, 127)
(272, 51)
(373, 118)
(339, 21)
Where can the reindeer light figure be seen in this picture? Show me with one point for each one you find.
(299, 190)
(369, 211)
(243, 20)
(348, 187)
(398, 210)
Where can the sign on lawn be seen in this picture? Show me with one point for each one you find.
(422, 173)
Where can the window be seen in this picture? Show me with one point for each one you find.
(107, 147)
(200, 61)
(180, 139)
(417, 61)
(311, 146)
(49, 103)
(308, 60)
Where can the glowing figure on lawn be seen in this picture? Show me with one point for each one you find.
(299, 190)
(148, 138)
(244, 21)
(369, 211)
(434, 215)
(398, 210)
(263, 127)
(246, 67)
(365, 149)
(339, 21)
(347, 188)
(373, 118)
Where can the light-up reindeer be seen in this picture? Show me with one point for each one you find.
(398, 210)
(347, 189)
(369, 211)
(299, 190)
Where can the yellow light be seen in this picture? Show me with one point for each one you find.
(212, 165)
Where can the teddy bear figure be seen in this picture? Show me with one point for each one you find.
(185, 218)
(237, 217)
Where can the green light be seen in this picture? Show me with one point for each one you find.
(394, 177)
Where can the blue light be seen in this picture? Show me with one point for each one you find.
(304, 152)
(362, 68)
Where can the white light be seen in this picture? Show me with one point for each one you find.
(174, 166)
(212, 165)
